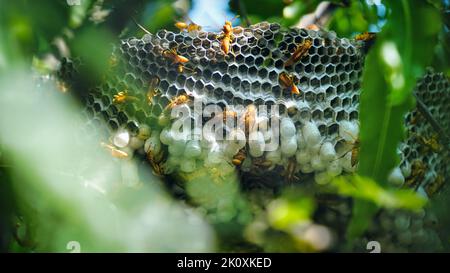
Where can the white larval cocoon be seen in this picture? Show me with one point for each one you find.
(193, 149)
(317, 164)
(396, 178)
(301, 143)
(314, 149)
(287, 128)
(274, 156)
(346, 162)
(121, 139)
(153, 144)
(171, 164)
(257, 144)
(230, 149)
(237, 137)
(348, 131)
(187, 165)
(327, 152)
(136, 143)
(334, 168)
(302, 157)
(311, 134)
(289, 146)
(306, 168)
(322, 178)
(166, 136)
(144, 132)
(406, 170)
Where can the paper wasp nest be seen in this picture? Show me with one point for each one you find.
(318, 127)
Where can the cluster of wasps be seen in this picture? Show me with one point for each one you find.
(226, 38)
(428, 144)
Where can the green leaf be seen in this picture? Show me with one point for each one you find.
(364, 188)
(403, 50)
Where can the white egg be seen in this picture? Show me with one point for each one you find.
(287, 128)
(311, 134)
(136, 143)
(166, 136)
(334, 168)
(396, 178)
(153, 144)
(187, 165)
(306, 168)
(193, 149)
(121, 138)
(322, 178)
(289, 146)
(256, 143)
(327, 152)
(302, 157)
(348, 131)
(316, 163)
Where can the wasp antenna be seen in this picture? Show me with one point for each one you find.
(140, 26)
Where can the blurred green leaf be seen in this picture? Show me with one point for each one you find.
(367, 189)
(285, 212)
(402, 51)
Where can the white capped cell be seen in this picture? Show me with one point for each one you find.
(301, 144)
(230, 149)
(121, 139)
(166, 136)
(187, 165)
(144, 132)
(348, 130)
(346, 162)
(311, 134)
(322, 178)
(287, 128)
(153, 144)
(256, 143)
(136, 143)
(289, 146)
(334, 168)
(406, 169)
(327, 152)
(396, 178)
(193, 149)
(302, 157)
(274, 156)
(317, 164)
(314, 149)
(237, 137)
(306, 168)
